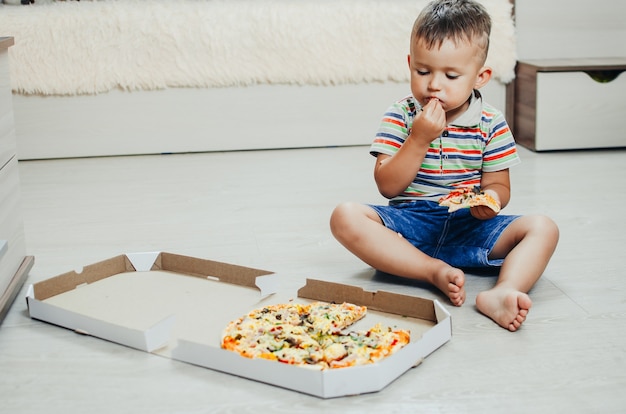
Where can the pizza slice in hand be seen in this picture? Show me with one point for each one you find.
(468, 197)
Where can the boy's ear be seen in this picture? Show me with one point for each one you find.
(484, 76)
(408, 59)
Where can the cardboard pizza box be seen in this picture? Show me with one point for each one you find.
(177, 307)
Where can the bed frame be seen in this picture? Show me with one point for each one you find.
(244, 115)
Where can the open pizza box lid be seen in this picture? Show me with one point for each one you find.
(177, 307)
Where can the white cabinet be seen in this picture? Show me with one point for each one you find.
(14, 264)
(562, 104)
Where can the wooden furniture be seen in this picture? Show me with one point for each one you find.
(14, 264)
(561, 104)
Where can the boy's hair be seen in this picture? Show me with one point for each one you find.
(458, 20)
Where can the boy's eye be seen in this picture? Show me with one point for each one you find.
(451, 76)
(422, 72)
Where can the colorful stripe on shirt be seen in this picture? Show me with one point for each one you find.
(457, 158)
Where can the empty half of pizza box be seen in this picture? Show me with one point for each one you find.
(177, 306)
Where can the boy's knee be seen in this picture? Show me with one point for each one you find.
(547, 227)
(342, 218)
(339, 216)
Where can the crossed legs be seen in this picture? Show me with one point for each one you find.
(360, 230)
(527, 245)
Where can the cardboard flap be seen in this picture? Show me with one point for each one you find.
(143, 262)
(92, 273)
(436, 337)
(326, 384)
(267, 284)
(380, 300)
(159, 334)
(224, 272)
(270, 372)
(149, 340)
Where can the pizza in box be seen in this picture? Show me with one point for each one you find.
(314, 335)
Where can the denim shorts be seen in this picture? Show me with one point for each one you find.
(456, 238)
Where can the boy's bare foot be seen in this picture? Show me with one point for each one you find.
(507, 307)
(451, 281)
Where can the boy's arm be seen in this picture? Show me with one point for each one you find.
(498, 185)
(394, 174)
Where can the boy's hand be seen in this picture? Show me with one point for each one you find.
(484, 212)
(429, 123)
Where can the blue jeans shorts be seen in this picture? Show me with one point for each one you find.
(456, 238)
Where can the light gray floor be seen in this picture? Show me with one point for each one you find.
(270, 209)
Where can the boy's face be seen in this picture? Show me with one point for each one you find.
(448, 73)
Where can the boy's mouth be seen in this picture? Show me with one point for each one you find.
(433, 98)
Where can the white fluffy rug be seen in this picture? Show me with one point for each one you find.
(86, 47)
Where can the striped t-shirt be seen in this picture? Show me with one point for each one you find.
(479, 140)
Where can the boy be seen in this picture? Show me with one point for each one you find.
(440, 138)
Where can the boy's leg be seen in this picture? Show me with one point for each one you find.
(360, 229)
(527, 245)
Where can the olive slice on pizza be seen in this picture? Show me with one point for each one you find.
(468, 197)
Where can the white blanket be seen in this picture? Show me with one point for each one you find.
(69, 48)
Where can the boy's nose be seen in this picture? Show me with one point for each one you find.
(435, 83)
